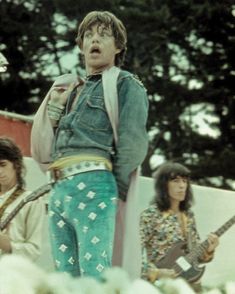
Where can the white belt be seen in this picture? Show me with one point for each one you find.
(56, 174)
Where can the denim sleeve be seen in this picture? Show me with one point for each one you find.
(132, 142)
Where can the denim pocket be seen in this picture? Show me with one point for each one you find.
(94, 115)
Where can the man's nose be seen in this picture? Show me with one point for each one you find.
(95, 37)
(182, 183)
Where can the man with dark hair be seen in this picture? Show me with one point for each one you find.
(91, 161)
(23, 234)
(168, 220)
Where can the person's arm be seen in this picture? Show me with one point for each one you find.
(42, 132)
(132, 142)
(146, 231)
(26, 233)
(149, 270)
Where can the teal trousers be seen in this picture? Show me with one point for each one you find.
(82, 211)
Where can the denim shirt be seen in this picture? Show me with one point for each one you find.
(86, 128)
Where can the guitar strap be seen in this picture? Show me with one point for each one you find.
(184, 224)
(17, 192)
(187, 231)
(188, 235)
(190, 241)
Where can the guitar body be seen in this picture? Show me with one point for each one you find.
(178, 259)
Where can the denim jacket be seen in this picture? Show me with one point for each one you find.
(86, 128)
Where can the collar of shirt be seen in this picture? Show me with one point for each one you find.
(7, 194)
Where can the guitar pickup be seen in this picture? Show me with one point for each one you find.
(183, 263)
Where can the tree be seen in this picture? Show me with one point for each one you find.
(182, 51)
(183, 54)
(29, 41)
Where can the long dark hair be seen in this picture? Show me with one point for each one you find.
(10, 151)
(166, 172)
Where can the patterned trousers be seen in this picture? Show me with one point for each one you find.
(82, 210)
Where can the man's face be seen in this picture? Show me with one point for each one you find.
(99, 48)
(177, 188)
(7, 173)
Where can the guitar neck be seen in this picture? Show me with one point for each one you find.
(225, 227)
(39, 192)
(221, 230)
(10, 216)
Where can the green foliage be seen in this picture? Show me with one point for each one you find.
(182, 51)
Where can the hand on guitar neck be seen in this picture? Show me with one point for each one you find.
(212, 243)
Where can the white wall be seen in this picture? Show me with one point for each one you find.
(213, 207)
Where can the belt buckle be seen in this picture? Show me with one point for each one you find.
(57, 174)
(54, 175)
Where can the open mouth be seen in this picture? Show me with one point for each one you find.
(95, 50)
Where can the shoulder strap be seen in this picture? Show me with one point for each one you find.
(109, 81)
(10, 199)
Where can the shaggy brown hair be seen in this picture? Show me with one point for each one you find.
(10, 151)
(166, 172)
(110, 21)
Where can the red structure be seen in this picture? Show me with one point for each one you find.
(18, 127)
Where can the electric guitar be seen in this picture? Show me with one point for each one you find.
(186, 265)
(31, 197)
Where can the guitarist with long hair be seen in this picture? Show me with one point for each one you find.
(168, 222)
(24, 232)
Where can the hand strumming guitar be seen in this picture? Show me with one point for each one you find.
(156, 273)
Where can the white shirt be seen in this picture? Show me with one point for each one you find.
(25, 229)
